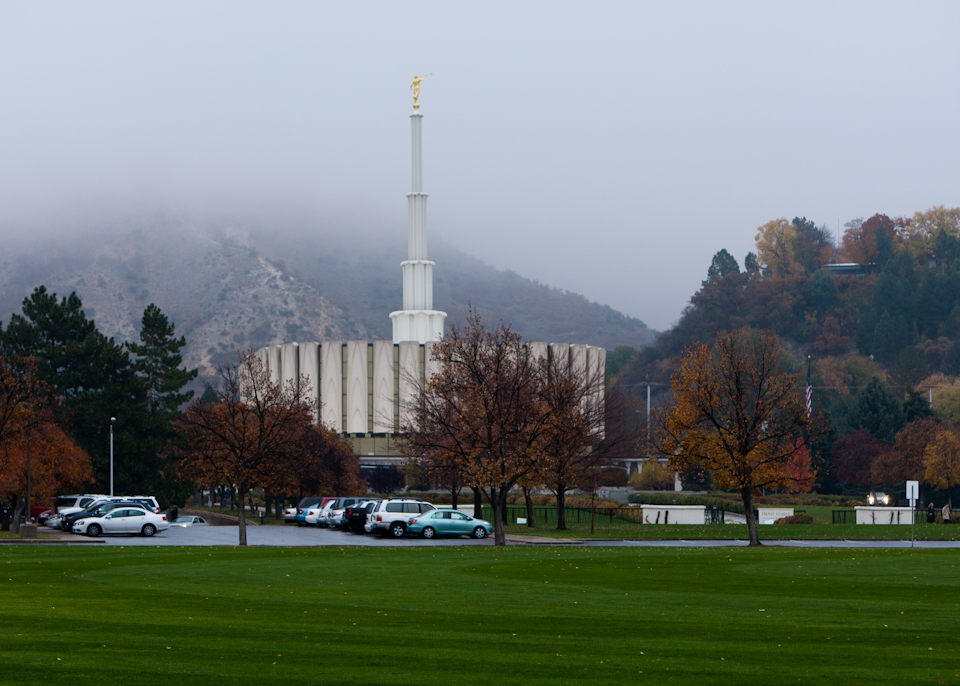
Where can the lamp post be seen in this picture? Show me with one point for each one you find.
(112, 420)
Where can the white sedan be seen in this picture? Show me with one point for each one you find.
(189, 520)
(122, 521)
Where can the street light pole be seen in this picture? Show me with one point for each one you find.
(112, 420)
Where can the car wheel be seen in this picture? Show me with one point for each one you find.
(479, 532)
(428, 532)
(397, 530)
(148, 530)
(94, 530)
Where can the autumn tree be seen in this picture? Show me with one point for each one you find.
(481, 412)
(941, 460)
(905, 461)
(54, 461)
(854, 455)
(775, 247)
(254, 428)
(584, 430)
(737, 412)
(323, 462)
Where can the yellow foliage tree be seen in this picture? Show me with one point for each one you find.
(775, 247)
(941, 461)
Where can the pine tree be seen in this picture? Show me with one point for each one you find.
(878, 412)
(158, 361)
(723, 263)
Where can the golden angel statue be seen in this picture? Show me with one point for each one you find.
(415, 85)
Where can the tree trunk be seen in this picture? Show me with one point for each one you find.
(17, 511)
(498, 500)
(454, 493)
(561, 508)
(593, 508)
(526, 497)
(243, 520)
(477, 503)
(746, 493)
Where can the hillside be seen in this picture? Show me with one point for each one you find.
(227, 289)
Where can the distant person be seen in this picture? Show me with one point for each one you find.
(931, 514)
(946, 513)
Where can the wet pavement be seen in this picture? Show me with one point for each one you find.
(292, 536)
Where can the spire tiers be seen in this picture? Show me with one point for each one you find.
(418, 321)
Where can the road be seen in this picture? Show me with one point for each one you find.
(296, 537)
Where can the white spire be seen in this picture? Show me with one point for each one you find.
(417, 321)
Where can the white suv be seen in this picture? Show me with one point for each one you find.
(391, 516)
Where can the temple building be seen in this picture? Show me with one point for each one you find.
(363, 387)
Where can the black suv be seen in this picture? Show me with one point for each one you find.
(355, 517)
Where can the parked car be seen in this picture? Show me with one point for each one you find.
(189, 520)
(97, 509)
(320, 516)
(290, 515)
(878, 498)
(449, 523)
(390, 517)
(355, 517)
(122, 521)
(148, 501)
(65, 504)
(334, 516)
(305, 504)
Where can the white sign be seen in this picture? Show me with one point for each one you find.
(913, 492)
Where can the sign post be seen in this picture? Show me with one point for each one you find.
(913, 494)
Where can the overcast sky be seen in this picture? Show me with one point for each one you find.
(605, 148)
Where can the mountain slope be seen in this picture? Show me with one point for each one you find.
(227, 289)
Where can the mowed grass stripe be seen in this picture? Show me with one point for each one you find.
(478, 615)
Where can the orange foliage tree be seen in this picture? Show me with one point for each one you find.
(248, 432)
(55, 461)
(737, 412)
(28, 436)
(941, 460)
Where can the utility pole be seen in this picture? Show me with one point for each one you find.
(112, 420)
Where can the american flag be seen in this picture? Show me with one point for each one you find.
(809, 391)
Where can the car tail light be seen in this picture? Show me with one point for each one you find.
(379, 518)
(299, 511)
(163, 517)
(414, 521)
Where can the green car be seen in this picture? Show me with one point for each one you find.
(449, 523)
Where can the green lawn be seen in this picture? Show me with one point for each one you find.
(478, 615)
(924, 532)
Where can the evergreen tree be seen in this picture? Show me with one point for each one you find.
(916, 407)
(750, 263)
(951, 363)
(946, 248)
(890, 336)
(897, 288)
(158, 363)
(909, 369)
(822, 292)
(723, 263)
(878, 412)
(95, 380)
(884, 246)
